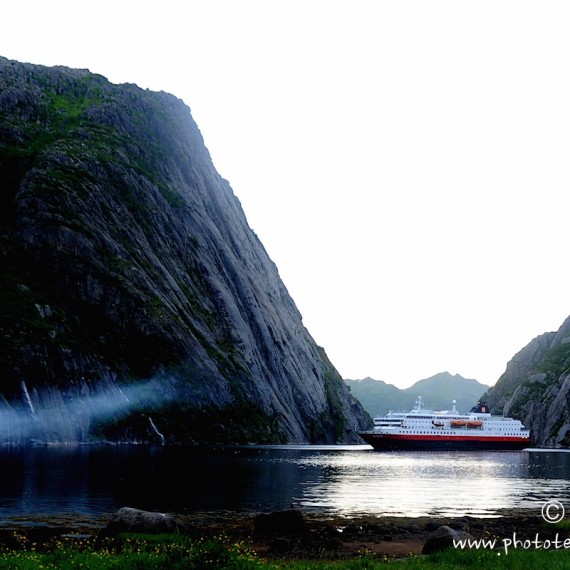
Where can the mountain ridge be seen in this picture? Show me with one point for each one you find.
(438, 392)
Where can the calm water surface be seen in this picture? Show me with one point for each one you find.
(94, 480)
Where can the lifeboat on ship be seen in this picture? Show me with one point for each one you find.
(438, 424)
(474, 423)
(458, 423)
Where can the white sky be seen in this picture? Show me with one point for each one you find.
(405, 163)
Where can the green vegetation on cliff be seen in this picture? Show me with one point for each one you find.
(124, 256)
(535, 388)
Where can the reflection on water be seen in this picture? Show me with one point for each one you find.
(337, 480)
(428, 483)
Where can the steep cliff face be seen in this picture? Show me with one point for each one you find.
(535, 388)
(136, 301)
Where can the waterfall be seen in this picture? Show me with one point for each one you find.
(155, 429)
(122, 394)
(27, 398)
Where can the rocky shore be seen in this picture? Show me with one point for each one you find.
(317, 536)
(290, 534)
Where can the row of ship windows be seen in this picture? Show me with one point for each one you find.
(454, 432)
(500, 424)
(487, 423)
(440, 418)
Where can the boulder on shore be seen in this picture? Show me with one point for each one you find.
(128, 519)
(444, 537)
(280, 522)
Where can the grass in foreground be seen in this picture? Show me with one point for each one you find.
(176, 552)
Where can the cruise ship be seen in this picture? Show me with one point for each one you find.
(446, 430)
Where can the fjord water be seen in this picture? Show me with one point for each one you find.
(353, 480)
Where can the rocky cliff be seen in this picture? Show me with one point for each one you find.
(535, 388)
(136, 302)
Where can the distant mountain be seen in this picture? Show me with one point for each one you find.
(438, 392)
(378, 397)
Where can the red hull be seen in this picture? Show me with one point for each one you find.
(442, 442)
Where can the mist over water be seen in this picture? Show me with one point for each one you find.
(53, 415)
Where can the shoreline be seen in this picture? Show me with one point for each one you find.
(321, 535)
